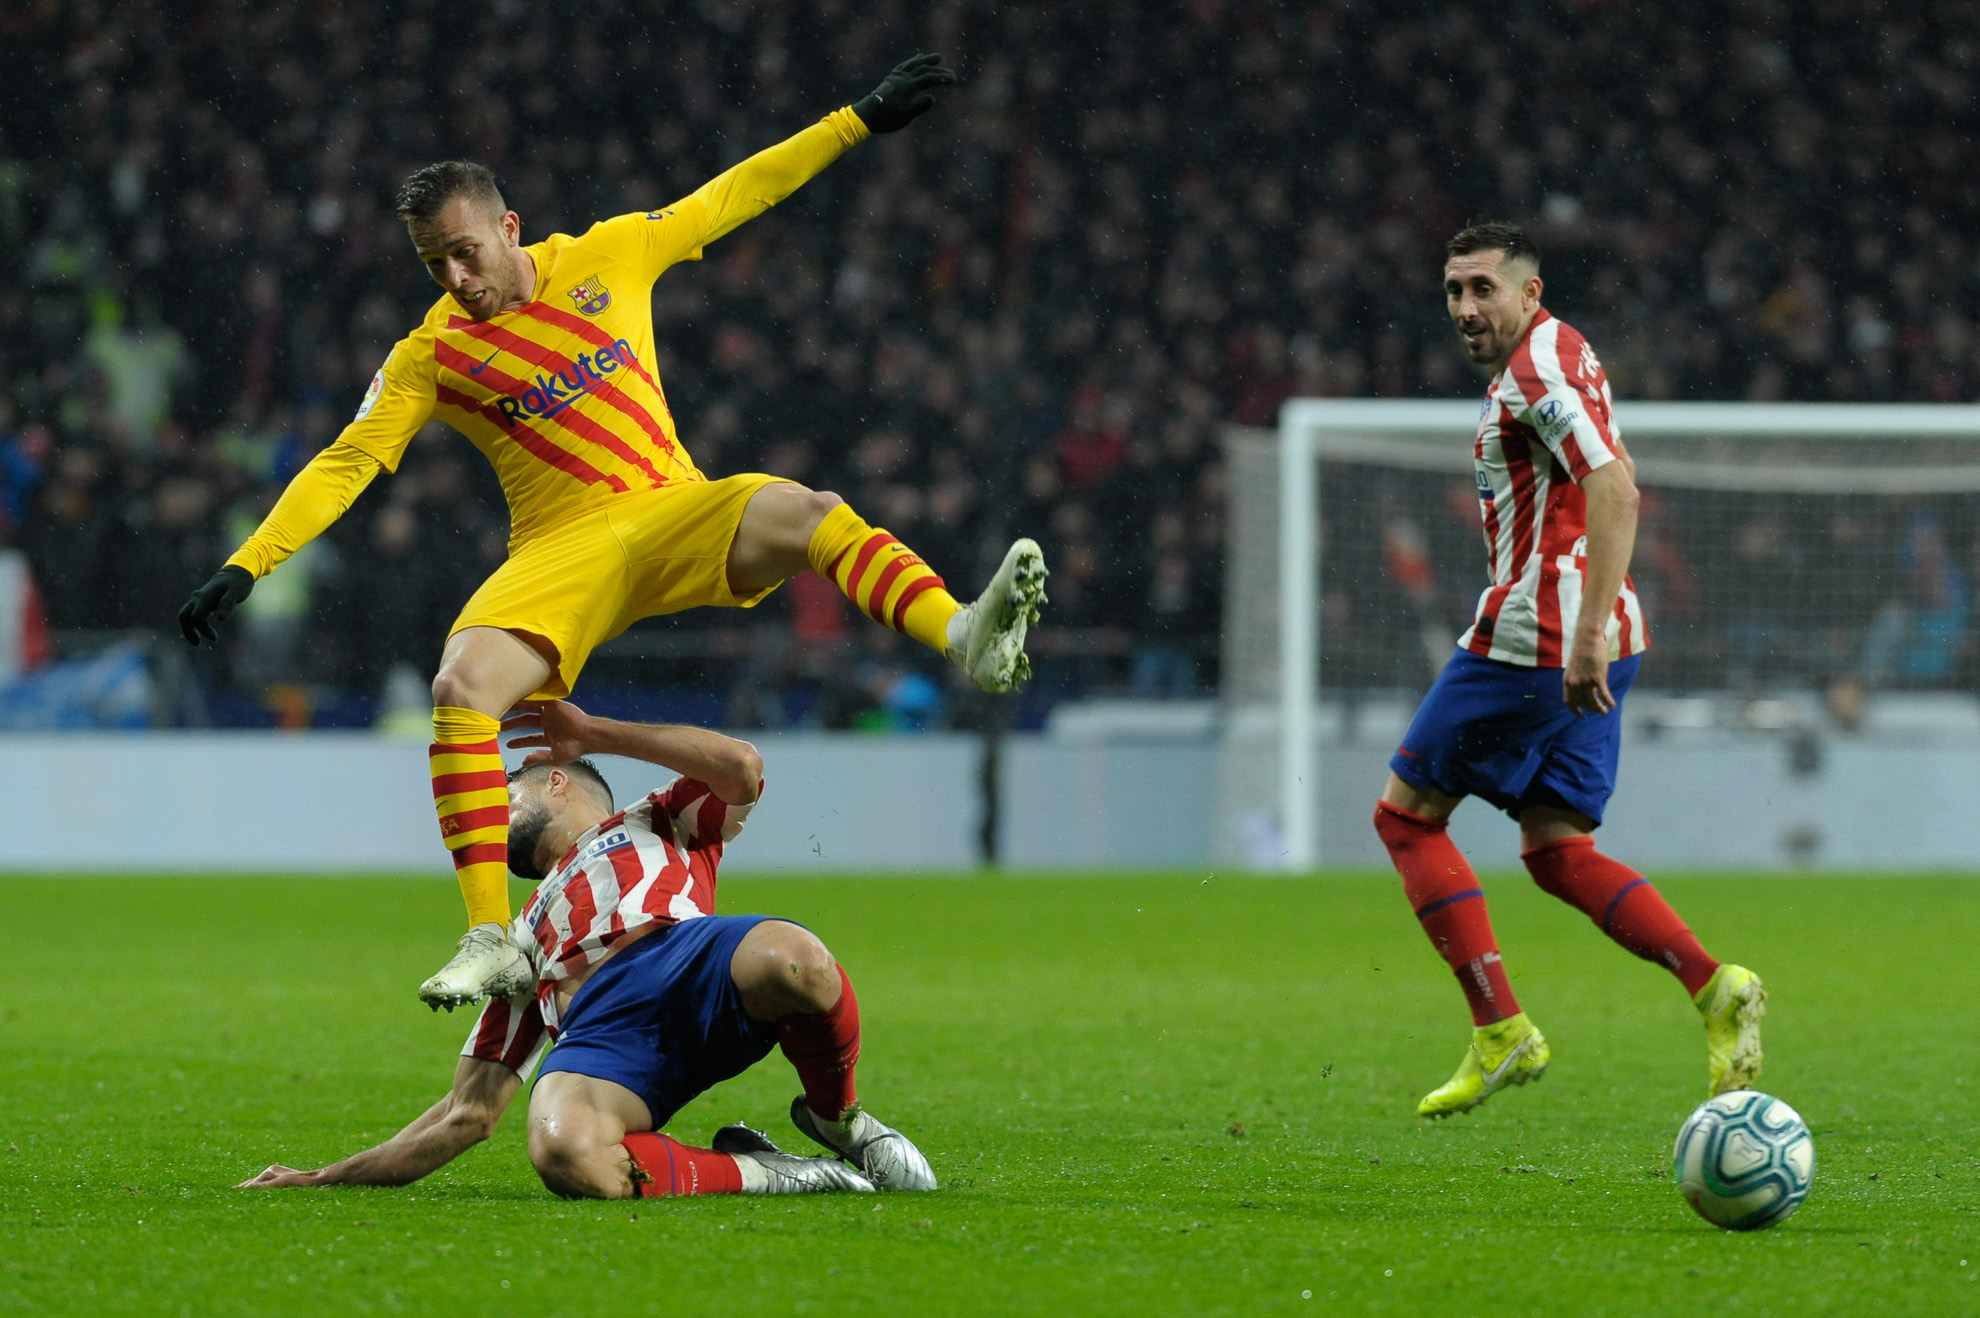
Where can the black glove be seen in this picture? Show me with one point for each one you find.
(214, 602)
(903, 94)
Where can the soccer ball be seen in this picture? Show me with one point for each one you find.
(1744, 1160)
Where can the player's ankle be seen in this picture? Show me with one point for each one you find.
(841, 1123)
(755, 1176)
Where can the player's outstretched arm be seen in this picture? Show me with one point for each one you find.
(320, 493)
(399, 402)
(563, 732)
(744, 192)
(458, 1122)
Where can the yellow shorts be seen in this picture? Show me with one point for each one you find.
(644, 554)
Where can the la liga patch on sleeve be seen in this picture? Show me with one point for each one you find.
(371, 394)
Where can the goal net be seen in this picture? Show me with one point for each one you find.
(1794, 560)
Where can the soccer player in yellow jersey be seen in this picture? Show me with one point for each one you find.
(542, 355)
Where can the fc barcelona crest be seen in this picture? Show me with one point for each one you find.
(591, 296)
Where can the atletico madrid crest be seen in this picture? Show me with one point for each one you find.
(591, 296)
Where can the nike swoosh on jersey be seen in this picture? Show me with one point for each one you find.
(477, 370)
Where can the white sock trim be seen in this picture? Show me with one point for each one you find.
(755, 1176)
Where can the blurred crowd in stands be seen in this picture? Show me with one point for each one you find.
(1031, 313)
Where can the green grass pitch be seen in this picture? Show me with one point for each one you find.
(1146, 1095)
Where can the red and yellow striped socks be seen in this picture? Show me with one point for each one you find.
(471, 796)
(887, 580)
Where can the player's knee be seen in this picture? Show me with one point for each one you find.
(788, 970)
(822, 501)
(449, 691)
(564, 1180)
(813, 506)
(563, 1161)
(1399, 828)
(776, 531)
(813, 973)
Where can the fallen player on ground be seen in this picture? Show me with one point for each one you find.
(644, 996)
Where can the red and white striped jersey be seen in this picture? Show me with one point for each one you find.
(1548, 421)
(653, 863)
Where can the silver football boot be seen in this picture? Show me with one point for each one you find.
(888, 1157)
(767, 1169)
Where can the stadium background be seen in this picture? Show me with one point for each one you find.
(1127, 230)
(1134, 228)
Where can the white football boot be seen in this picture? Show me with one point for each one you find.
(888, 1157)
(487, 966)
(986, 639)
(767, 1169)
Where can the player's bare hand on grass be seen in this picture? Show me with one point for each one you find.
(279, 1177)
(1585, 681)
(904, 94)
(560, 728)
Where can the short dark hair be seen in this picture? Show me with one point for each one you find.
(1494, 236)
(426, 192)
(582, 769)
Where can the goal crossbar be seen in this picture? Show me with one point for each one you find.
(1430, 434)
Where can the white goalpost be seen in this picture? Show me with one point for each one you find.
(1723, 454)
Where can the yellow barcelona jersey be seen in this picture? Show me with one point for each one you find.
(562, 394)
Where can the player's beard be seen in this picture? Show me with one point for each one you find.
(526, 825)
(1485, 352)
(499, 287)
(492, 302)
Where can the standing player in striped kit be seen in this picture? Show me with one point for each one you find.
(1528, 713)
(542, 356)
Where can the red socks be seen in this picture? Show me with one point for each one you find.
(1623, 903)
(1450, 906)
(663, 1166)
(824, 1048)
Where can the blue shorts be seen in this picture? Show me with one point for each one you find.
(664, 1019)
(1504, 733)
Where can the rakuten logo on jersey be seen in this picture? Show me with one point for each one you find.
(548, 395)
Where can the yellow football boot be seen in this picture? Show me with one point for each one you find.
(1732, 1003)
(1507, 1052)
